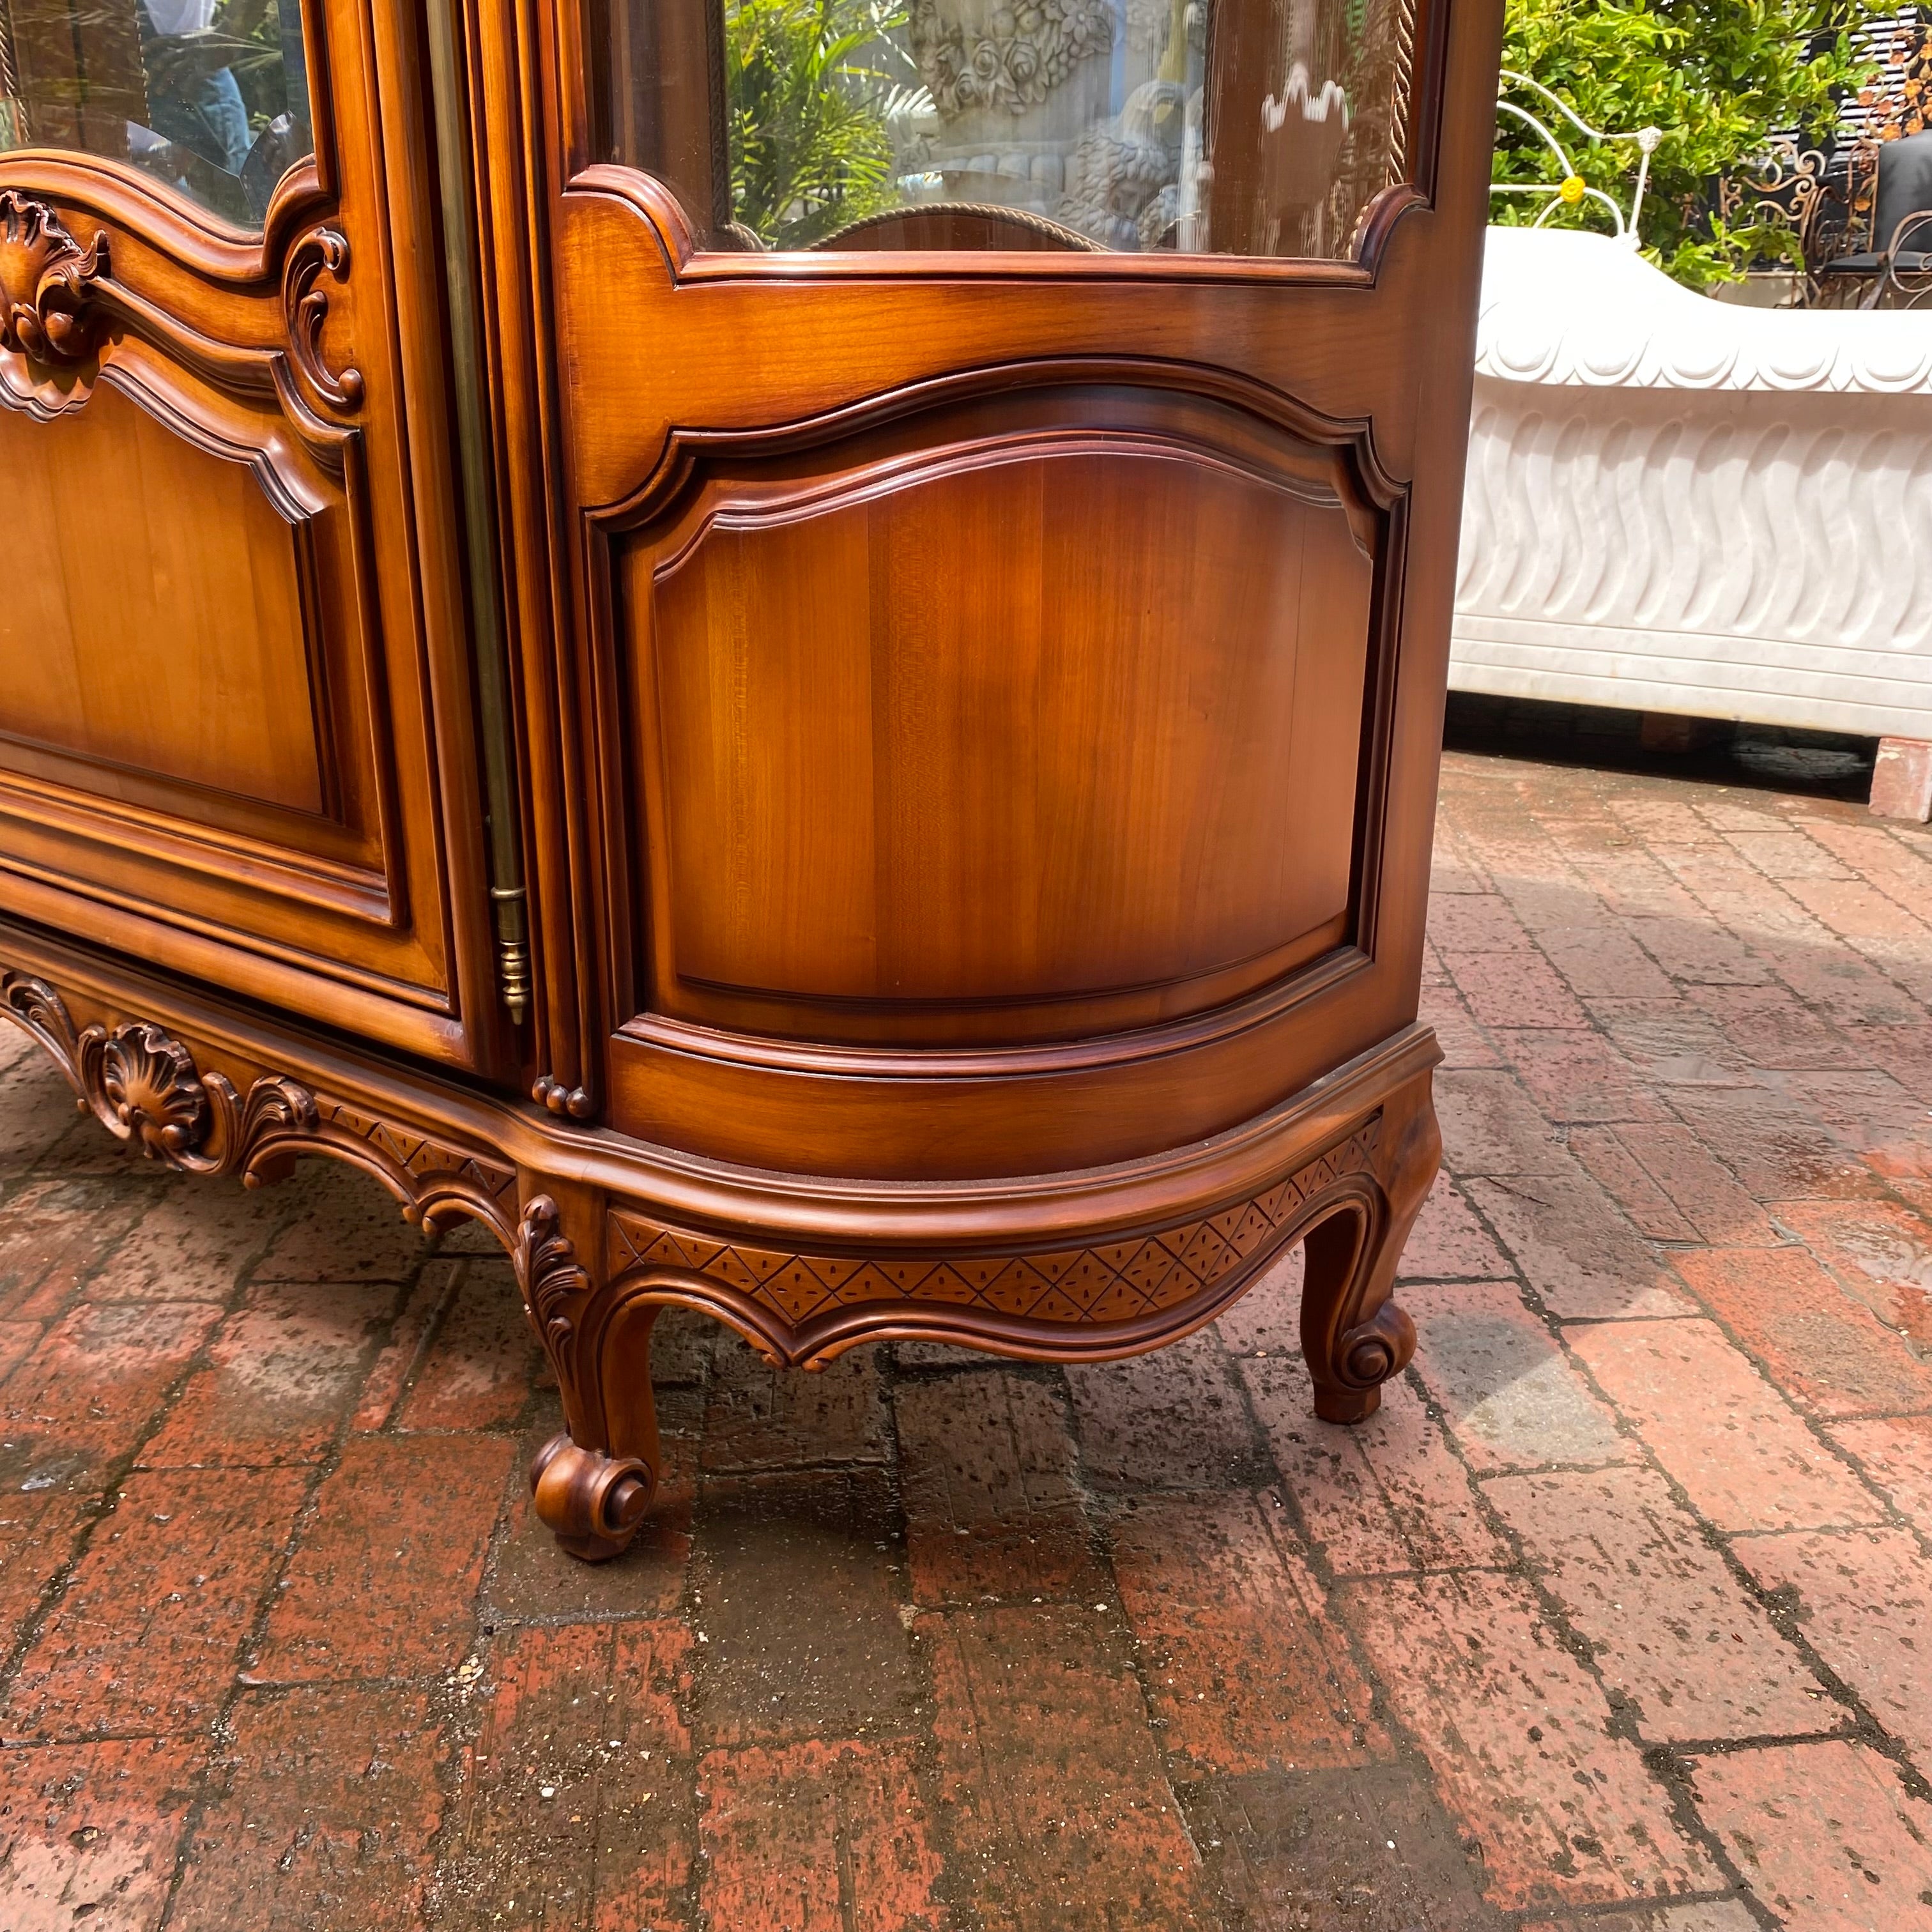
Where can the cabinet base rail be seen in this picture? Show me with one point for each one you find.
(605, 1232)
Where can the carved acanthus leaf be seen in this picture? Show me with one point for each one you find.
(553, 1280)
(322, 252)
(47, 308)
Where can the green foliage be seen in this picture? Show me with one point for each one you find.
(1718, 76)
(810, 146)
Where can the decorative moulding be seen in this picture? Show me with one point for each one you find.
(47, 282)
(1674, 505)
(1564, 306)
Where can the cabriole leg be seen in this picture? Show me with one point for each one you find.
(1353, 1336)
(594, 1482)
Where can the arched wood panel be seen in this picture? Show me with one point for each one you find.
(186, 649)
(1000, 769)
(951, 750)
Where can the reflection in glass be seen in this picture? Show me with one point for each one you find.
(1225, 127)
(209, 95)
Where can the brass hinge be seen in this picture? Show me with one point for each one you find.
(513, 948)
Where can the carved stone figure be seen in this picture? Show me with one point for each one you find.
(1121, 167)
(1016, 87)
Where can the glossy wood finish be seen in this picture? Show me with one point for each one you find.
(1032, 738)
(976, 716)
(1110, 1261)
(248, 752)
(181, 650)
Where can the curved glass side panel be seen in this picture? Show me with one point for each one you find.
(1259, 127)
(210, 96)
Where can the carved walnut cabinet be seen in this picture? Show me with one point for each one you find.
(792, 649)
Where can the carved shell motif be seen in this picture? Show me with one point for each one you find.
(152, 1091)
(46, 306)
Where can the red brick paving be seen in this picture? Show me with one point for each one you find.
(1822, 1345)
(1388, 1495)
(280, 1371)
(1617, 1617)
(1725, 1914)
(88, 1832)
(476, 1373)
(1447, 1243)
(1880, 1251)
(989, 1479)
(1172, 1419)
(143, 1638)
(1658, 1605)
(1062, 1812)
(1861, 1599)
(760, 1417)
(1512, 1397)
(1826, 1834)
(593, 1714)
(1744, 1457)
(825, 1838)
(1557, 1807)
(1584, 1255)
(1896, 1455)
(324, 1811)
(95, 1382)
(194, 1238)
(1245, 1669)
(400, 1530)
(55, 1234)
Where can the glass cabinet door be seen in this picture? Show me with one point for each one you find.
(1255, 127)
(210, 96)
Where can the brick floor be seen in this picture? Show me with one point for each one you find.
(1617, 1617)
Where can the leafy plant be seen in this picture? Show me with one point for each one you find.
(1905, 112)
(1718, 76)
(811, 145)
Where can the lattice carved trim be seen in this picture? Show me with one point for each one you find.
(1138, 1275)
(418, 1155)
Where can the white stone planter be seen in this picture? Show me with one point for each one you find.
(1678, 504)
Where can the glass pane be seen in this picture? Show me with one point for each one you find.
(1222, 126)
(209, 95)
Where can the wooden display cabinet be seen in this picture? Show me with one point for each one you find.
(816, 699)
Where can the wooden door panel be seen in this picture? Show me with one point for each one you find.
(238, 736)
(997, 719)
(1004, 773)
(954, 751)
(192, 726)
(182, 650)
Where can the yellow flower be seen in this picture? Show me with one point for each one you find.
(1572, 191)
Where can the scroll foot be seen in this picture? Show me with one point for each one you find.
(592, 1503)
(1354, 1338)
(1365, 1357)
